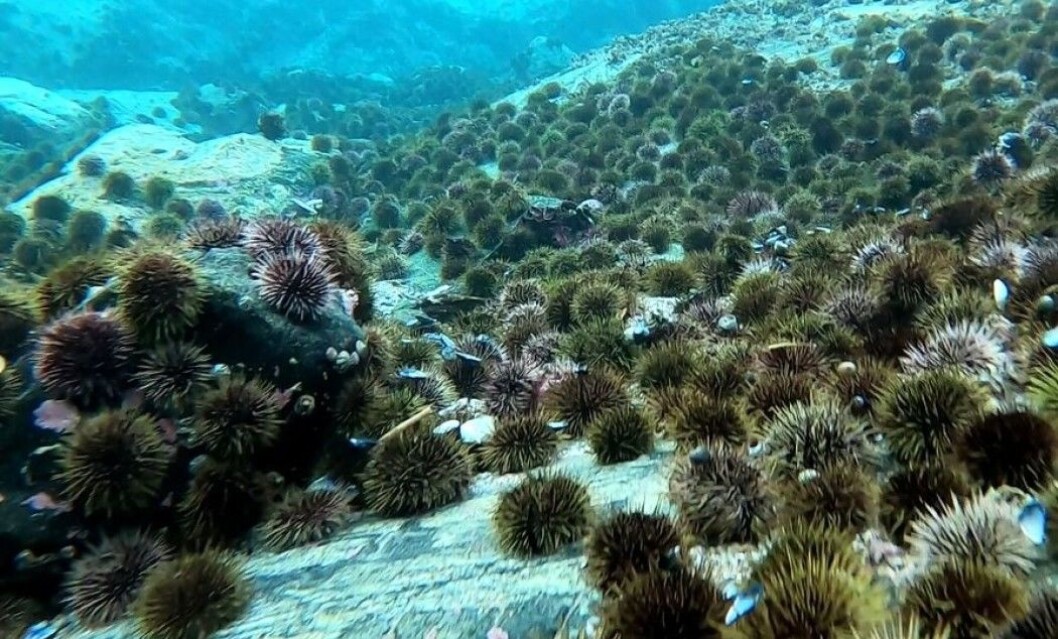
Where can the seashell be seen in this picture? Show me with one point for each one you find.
(1001, 294)
(1050, 338)
(897, 58)
(846, 368)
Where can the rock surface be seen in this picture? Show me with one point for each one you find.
(238, 328)
(30, 115)
(246, 173)
(441, 571)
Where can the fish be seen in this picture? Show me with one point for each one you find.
(467, 357)
(363, 443)
(41, 630)
(1000, 293)
(744, 603)
(409, 372)
(56, 415)
(1033, 521)
(41, 502)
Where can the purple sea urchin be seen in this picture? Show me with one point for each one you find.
(813, 435)
(85, 358)
(983, 530)
(511, 389)
(298, 285)
(970, 347)
(991, 168)
(750, 203)
(305, 517)
(173, 372)
(103, 584)
(926, 123)
(211, 233)
(278, 236)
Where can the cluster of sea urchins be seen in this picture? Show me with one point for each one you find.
(858, 373)
(293, 273)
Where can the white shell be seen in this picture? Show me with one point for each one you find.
(477, 430)
(846, 368)
(1000, 293)
(1050, 338)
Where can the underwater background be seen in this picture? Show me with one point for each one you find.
(530, 319)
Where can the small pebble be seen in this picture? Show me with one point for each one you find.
(1045, 304)
(477, 430)
(807, 475)
(846, 368)
(727, 323)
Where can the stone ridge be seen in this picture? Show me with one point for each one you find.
(441, 571)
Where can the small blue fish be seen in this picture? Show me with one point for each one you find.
(744, 603)
(363, 443)
(41, 630)
(467, 357)
(441, 339)
(1050, 338)
(409, 372)
(1033, 521)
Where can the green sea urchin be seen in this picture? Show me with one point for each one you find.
(114, 464)
(541, 515)
(192, 596)
(520, 443)
(416, 471)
